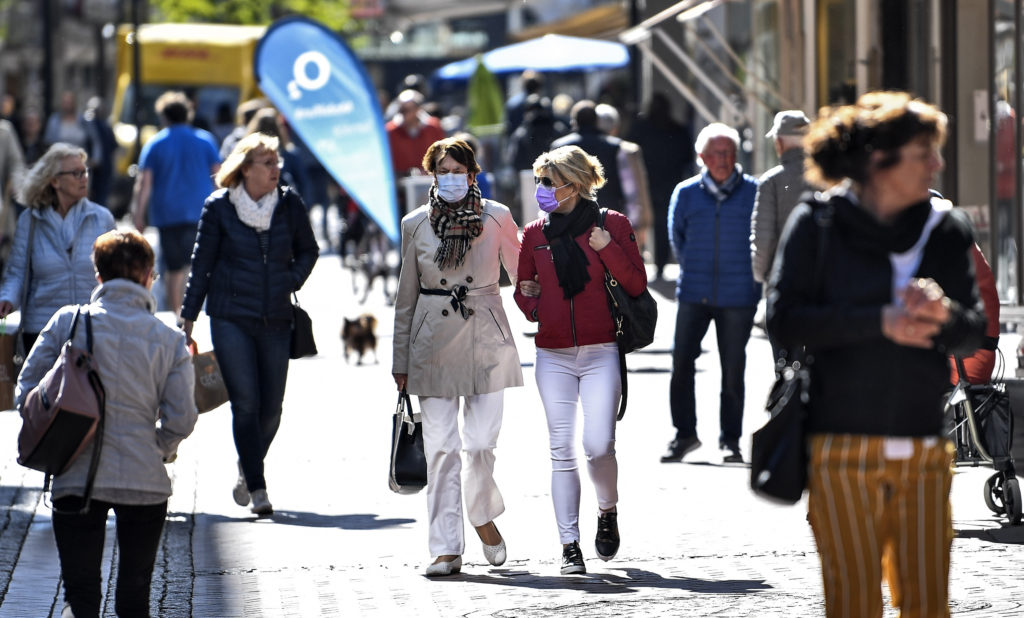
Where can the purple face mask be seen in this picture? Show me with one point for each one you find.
(546, 197)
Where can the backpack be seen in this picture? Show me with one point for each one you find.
(64, 413)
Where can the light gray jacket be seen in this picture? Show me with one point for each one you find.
(778, 193)
(444, 354)
(61, 275)
(149, 380)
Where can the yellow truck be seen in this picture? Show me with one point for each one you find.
(212, 63)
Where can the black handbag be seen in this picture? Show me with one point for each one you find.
(778, 453)
(303, 343)
(408, 470)
(634, 318)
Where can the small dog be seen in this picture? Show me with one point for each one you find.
(360, 336)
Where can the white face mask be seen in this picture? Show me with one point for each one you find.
(452, 187)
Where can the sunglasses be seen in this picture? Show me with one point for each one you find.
(543, 180)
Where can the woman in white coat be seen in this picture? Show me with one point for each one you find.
(452, 341)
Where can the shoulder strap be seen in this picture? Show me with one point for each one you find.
(823, 218)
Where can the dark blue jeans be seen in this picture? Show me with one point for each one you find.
(732, 325)
(253, 359)
(80, 547)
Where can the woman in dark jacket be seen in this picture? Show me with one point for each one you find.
(894, 296)
(565, 255)
(253, 249)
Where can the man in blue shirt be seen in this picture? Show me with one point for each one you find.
(175, 177)
(709, 222)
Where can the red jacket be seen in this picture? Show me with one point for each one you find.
(407, 151)
(585, 318)
(979, 365)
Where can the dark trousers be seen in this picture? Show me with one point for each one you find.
(80, 547)
(732, 325)
(253, 359)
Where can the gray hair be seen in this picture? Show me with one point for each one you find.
(36, 191)
(712, 131)
(607, 117)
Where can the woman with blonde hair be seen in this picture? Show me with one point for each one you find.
(565, 255)
(54, 268)
(254, 248)
(453, 345)
(874, 279)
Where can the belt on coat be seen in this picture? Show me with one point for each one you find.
(459, 294)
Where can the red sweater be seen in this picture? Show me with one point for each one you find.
(585, 318)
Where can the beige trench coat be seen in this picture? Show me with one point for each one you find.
(444, 354)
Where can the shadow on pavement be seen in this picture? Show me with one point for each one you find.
(355, 521)
(1007, 534)
(610, 583)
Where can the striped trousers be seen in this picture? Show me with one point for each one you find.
(879, 507)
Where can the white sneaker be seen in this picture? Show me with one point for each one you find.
(241, 491)
(261, 503)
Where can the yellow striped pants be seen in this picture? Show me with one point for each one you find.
(879, 507)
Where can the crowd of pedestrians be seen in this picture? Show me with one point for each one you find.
(235, 240)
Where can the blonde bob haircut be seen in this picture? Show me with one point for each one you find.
(574, 166)
(247, 148)
(36, 191)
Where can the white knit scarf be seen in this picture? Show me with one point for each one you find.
(255, 214)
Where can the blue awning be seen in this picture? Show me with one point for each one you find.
(551, 52)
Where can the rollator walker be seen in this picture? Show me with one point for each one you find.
(982, 432)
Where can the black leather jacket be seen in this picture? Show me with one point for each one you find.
(862, 382)
(231, 272)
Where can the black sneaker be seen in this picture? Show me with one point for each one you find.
(572, 559)
(679, 448)
(732, 454)
(607, 541)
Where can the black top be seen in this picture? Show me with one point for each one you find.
(861, 382)
(242, 273)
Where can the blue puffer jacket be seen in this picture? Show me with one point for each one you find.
(711, 239)
(230, 270)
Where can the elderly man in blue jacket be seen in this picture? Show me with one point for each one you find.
(709, 219)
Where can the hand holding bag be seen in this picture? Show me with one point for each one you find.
(210, 391)
(303, 343)
(408, 472)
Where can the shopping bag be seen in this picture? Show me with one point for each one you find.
(210, 390)
(408, 472)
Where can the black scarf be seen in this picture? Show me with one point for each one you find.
(570, 260)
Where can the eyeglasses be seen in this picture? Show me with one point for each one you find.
(543, 180)
(76, 174)
(272, 163)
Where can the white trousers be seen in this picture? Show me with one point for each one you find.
(444, 450)
(588, 375)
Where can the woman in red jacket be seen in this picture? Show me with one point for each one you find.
(562, 264)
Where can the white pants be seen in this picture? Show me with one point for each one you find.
(443, 449)
(590, 375)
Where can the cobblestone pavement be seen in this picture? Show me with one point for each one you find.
(695, 541)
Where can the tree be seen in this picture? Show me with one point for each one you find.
(335, 14)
